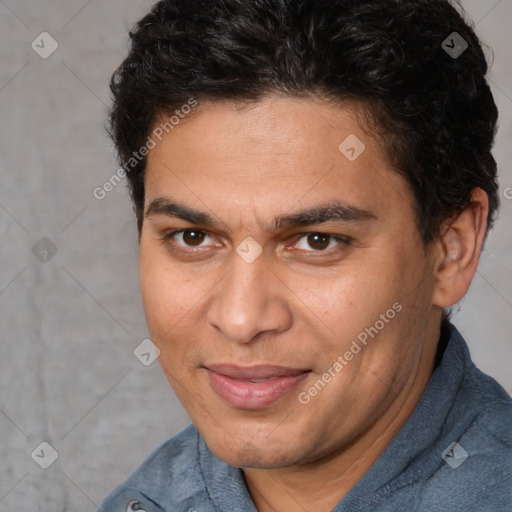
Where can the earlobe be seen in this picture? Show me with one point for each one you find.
(459, 248)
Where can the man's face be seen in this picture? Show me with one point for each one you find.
(249, 341)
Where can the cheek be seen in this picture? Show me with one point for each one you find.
(173, 300)
(350, 299)
(162, 295)
(335, 307)
(168, 306)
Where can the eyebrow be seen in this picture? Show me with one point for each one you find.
(334, 211)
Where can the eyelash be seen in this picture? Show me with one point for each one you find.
(343, 241)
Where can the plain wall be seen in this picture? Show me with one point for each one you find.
(69, 326)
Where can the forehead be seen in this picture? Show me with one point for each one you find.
(278, 153)
(276, 129)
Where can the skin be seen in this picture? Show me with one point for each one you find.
(300, 303)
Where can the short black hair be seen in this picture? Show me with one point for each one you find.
(433, 109)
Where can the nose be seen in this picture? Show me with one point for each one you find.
(249, 302)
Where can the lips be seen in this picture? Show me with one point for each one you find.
(255, 387)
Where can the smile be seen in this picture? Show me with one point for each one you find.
(255, 387)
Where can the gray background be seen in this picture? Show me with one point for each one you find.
(69, 325)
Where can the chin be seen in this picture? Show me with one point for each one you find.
(248, 454)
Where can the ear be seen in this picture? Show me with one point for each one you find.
(458, 251)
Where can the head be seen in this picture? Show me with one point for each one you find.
(312, 180)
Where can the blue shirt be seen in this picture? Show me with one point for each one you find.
(454, 454)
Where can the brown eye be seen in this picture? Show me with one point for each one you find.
(193, 238)
(319, 241)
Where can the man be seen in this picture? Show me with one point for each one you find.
(313, 183)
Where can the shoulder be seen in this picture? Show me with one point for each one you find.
(475, 468)
(170, 477)
(476, 471)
